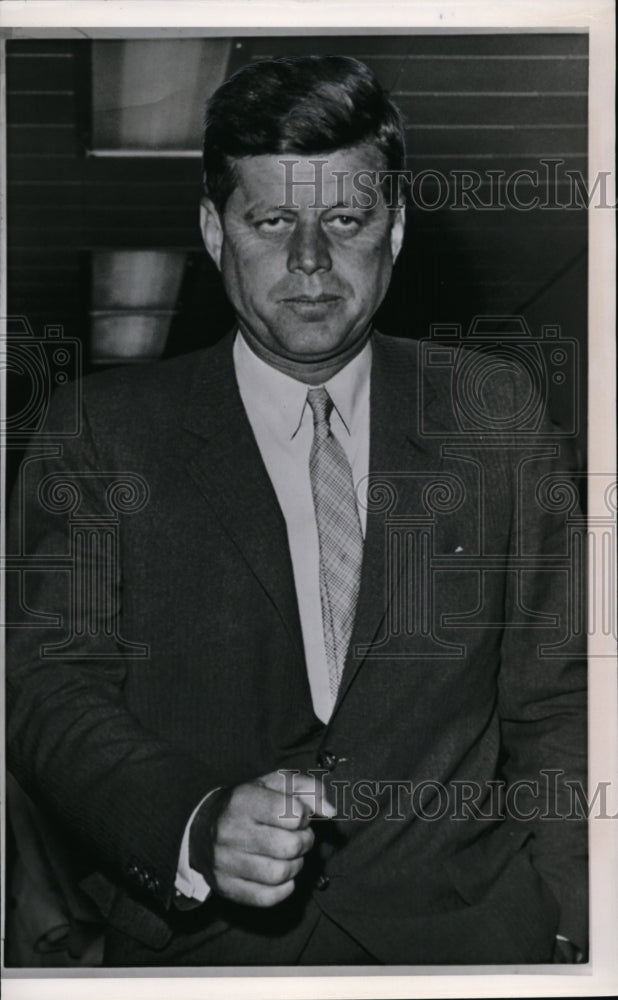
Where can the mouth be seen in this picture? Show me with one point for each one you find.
(312, 299)
(312, 308)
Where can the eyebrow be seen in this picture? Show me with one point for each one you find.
(272, 210)
(352, 207)
(267, 210)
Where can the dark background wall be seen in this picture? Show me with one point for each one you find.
(471, 102)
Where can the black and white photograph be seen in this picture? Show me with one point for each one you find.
(308, 454)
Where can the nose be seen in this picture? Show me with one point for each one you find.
(308, 248)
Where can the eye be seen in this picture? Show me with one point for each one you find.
(273, 224)
(344, 223)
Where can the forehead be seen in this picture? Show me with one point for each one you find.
(306, 180)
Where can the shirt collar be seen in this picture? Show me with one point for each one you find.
(281, 399)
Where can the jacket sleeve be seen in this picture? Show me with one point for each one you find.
(73, 744)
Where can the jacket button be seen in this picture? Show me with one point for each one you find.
(322, 882)
(133, 869)
(327, 759)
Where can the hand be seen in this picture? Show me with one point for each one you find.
(250, 841)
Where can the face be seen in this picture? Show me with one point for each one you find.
(305, 263)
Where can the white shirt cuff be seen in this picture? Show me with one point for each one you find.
(190, 883)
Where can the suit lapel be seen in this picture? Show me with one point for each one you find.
(401, 463)
(227, 467)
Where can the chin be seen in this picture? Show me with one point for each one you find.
(319, 345)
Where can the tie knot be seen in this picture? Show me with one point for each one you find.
(322, 406)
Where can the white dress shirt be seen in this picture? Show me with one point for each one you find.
(282, 423)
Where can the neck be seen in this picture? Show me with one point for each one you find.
(313, 372)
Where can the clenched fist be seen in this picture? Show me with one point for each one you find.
(250, 841)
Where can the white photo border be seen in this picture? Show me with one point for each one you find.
(111, 19)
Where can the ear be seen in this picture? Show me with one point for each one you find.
(397, 231)
(212, 230)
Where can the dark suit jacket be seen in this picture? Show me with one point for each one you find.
(444, 687)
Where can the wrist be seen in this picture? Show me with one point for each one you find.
(202, 835)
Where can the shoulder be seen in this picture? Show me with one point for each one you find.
(128, 407)
(480, 390)
(395, 362)
(396, 349)
(156, 385)
(403, 367)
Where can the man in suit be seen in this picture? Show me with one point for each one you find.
(325, 705)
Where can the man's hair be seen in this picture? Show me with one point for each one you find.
(303, 104)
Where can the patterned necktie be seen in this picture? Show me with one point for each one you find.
(339, 533)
